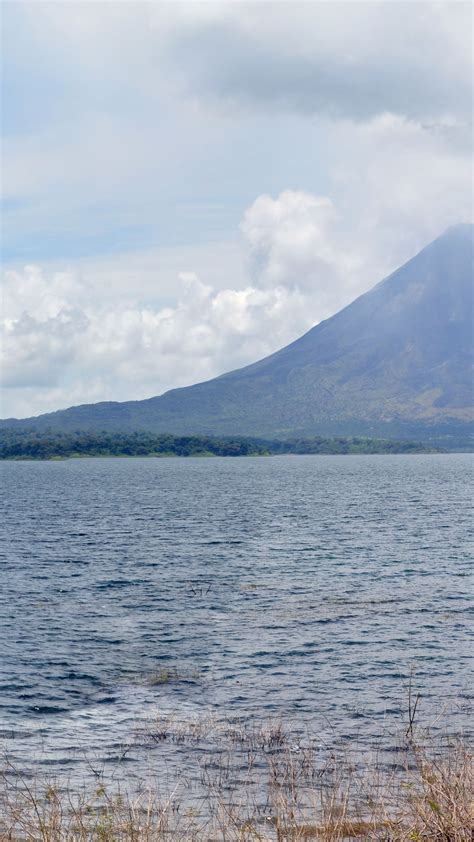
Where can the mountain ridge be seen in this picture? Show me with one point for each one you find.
(399, 357)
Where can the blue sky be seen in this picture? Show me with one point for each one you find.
(187, 187)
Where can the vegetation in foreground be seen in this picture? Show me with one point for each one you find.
(258, 784)
(34, 444)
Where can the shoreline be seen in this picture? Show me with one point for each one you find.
(74, 457)
(254, 783)
(33, 444)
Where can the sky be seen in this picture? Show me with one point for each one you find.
(187, 187)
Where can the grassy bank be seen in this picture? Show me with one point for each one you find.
(30, 444)
(257, 784)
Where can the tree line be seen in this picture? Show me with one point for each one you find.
(40, 444)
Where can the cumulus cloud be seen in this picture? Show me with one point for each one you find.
(288, 237)
(125, 352)
(55, 334)
(156, 123)
(67, 339)
(145, 131)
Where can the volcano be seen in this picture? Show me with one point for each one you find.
(397, 361)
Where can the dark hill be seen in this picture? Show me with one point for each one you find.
(397, 361)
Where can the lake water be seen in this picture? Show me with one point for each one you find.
(303, 587)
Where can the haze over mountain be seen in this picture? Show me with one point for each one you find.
(397, 361)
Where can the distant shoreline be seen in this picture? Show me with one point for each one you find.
(32, 445)
(80, 457)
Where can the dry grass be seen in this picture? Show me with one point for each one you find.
(258, 785)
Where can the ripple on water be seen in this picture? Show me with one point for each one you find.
(310, 588)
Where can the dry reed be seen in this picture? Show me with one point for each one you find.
(258, 785)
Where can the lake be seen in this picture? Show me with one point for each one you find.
(307, 588)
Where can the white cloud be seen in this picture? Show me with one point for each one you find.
(287, 236)
(294, 242)
(343, 59)
(399, 185)
(132, 353)
(58, 335)
(144, 132)
(67, 339)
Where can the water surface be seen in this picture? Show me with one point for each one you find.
(306, 587)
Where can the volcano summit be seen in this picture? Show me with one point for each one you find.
(395, 362)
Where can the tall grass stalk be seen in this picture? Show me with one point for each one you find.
(259, 785)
